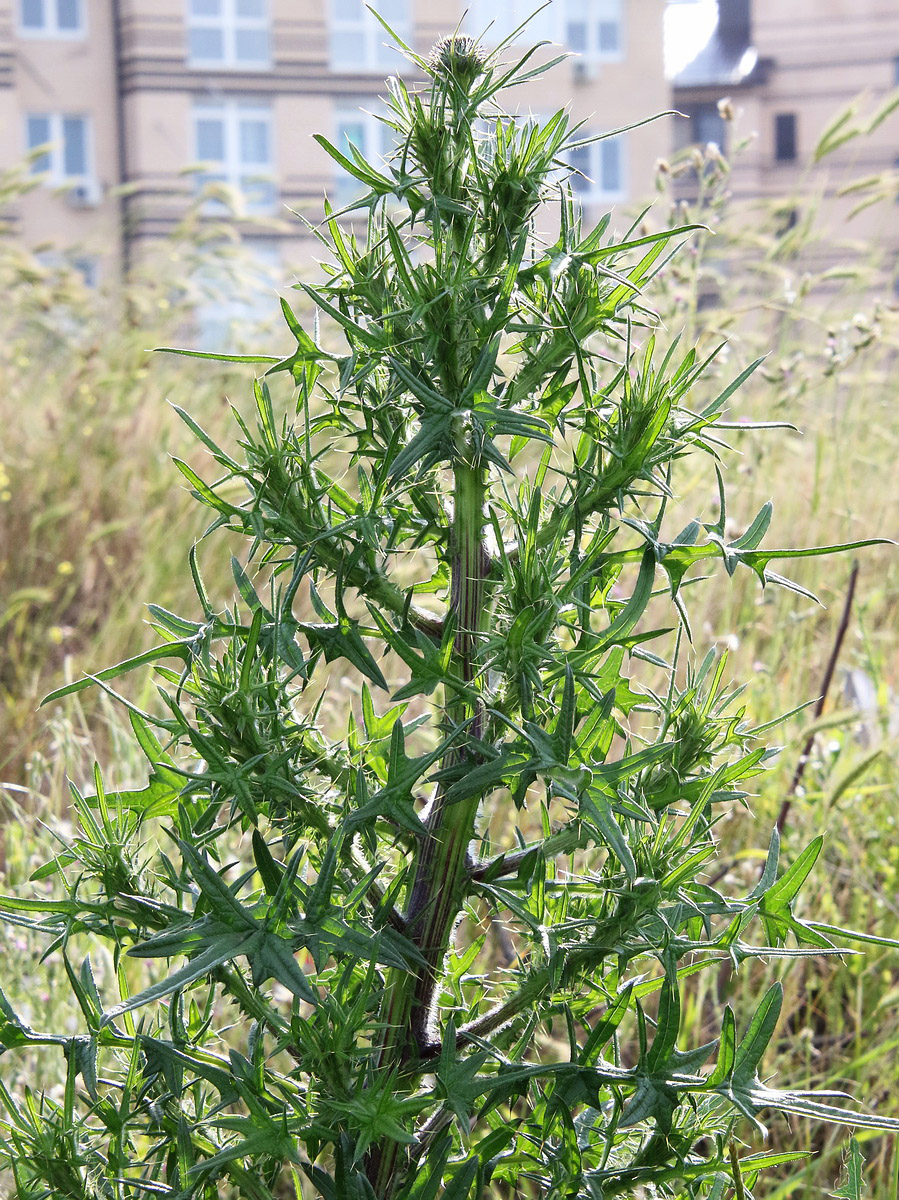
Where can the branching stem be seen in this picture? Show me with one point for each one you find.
(441, 875)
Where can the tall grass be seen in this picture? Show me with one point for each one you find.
(832, 338)
(92, 519)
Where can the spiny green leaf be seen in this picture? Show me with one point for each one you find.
(224, 948)
(727, 1049)
(754, 1042)
(342, 639)
(854, 1187)
(595, 804)
(667, 1024)
(169, 650)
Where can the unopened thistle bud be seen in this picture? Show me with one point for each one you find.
(457, 57)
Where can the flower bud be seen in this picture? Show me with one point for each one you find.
(457, 57)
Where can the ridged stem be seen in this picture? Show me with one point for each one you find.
(441, 877)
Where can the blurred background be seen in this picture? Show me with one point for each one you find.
(159, 185)
(130, 108)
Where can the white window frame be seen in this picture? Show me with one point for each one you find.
(50, 28)
(236, 291)
(229, 23)
(232, 167)
(592, 192)
(237, 286)
(610, 11)
(56, 175)
(484, 18)
(364, 111)
(373, 35)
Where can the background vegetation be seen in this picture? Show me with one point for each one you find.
(92, 519)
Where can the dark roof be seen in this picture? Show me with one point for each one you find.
(728, 58)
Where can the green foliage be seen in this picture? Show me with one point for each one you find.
(465, 511)
(854, 1187)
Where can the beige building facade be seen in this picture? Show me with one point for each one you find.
(789, 68)
(131, 106)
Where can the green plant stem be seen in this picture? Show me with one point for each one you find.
(441, 876)
(566, 840)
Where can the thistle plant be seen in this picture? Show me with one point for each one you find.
(422, 924)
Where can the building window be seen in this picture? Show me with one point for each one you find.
(228, 33)
(496, 22)
(374, 140)
(599, 171)
(233, 141)
(708, 126)
(785, 137)
(358, 40)
(593, 29)
(236, 285)
(88, 269)
(67, 154)
(51, 18)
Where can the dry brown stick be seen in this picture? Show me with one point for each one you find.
(802, 763)
(826, 681)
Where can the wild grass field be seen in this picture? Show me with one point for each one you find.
(95, 522)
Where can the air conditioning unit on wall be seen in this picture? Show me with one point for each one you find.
(585, 71)
(84, 195)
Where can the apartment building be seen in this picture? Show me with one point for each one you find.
(790, 66)
(138, 103)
